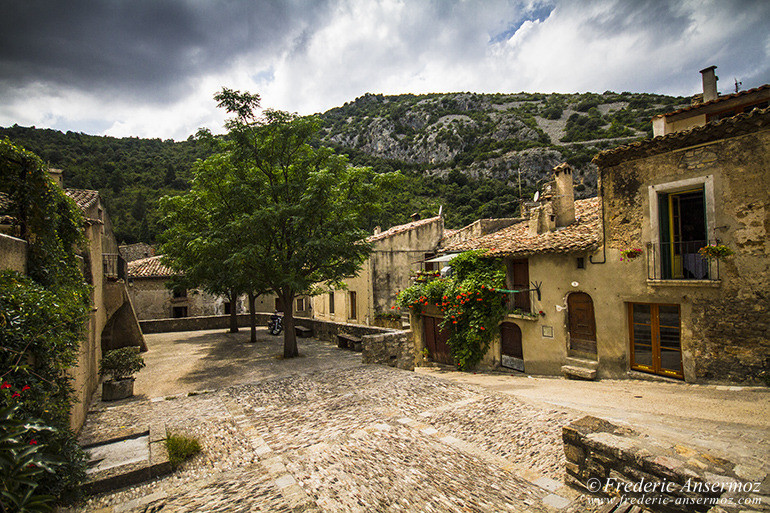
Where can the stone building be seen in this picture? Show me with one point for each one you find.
(398, 253)
(618, 284)
(131, 252)
(688, 317)
(153, 299)
(112, 323)
(557, 316)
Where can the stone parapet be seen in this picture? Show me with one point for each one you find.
(394, 349)
(610, 460)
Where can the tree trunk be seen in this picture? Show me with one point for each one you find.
(233, 311)
(253, 317)
(289, 336)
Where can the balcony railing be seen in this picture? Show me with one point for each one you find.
(680, 261)
(115, 267)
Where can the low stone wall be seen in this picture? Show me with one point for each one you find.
(395, 349)
(208, 322)
(610, 460)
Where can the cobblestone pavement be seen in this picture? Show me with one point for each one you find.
(359, 438)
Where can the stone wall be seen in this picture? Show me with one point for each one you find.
(609, 460)
(726, 322)
(208, 322)
(13, 254)
(392, 349)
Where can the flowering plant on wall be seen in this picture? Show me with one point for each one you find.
(630, 254)
(715, 251)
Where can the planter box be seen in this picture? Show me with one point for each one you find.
(115, 390)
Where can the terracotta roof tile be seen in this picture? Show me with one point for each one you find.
(395, 230)
(150, 267)
(729, 127)
(85, 199)
(717, 100)
(584, 234)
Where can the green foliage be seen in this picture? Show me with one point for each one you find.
(471, 304)
(121, 363)
(23, 461)
(43, 315)
(181, 448)
(121, 169)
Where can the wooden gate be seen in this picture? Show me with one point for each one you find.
(511, 351)
(582, 324)
(436, 340)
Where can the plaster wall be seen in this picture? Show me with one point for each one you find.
(13, 254)
(725, 323)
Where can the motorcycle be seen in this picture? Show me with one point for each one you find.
(275, 324)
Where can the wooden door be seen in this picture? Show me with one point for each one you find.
(436, 340)
(656, 339)
(520, 279)
(511, 351)
(582, 324)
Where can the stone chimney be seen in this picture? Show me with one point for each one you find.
(377, 230)
(563, 200)
(415, 216)
(709, 84)
(56, 175)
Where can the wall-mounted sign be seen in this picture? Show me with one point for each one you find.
(548, 331)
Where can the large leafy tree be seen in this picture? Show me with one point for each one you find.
(284, 216)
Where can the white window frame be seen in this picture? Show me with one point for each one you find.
(682, 185)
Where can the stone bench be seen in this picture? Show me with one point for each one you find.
(303, 332)
(345, 341)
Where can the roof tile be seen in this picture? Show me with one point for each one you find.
(584, 234)
(151, 267)
(395, 230)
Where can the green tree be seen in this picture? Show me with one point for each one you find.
(290, 215)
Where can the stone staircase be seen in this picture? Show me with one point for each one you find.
(580, 368)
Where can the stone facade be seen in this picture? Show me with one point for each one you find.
(397, 253)
(725, 319)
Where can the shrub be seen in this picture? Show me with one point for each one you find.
(181, 448)
(121, 363)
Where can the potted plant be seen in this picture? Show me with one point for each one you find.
(120, 365)
(715, 251)
(630, 254)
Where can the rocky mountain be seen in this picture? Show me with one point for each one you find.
(514, 138)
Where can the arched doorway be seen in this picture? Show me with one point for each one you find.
(582, 324)
(511, 351)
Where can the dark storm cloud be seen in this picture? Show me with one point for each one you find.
(145, 47)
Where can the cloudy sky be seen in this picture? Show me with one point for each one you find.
(149, 68)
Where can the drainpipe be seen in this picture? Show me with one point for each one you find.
(604, 230)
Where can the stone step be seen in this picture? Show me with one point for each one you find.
(572, 372)
(582, 362)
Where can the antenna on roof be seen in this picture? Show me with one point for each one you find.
(737, 84)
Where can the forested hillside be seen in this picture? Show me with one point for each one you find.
(472, 153)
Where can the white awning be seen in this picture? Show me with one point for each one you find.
(442, 259)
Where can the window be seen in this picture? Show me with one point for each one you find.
(681, 214)
(180, 293)
(228, 307)
(352, 300)
(300, 304)
(430, 266)
(655, 335)
(331, 302)
(518, 273)
(581, 262)
(179, 311)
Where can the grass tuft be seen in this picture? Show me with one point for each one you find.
(181, 448)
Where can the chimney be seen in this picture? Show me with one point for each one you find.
(563, 195)
(377, 230)
(709, 84)
(56, 176)
(415, 216)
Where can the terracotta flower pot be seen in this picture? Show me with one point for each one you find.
(115, 390)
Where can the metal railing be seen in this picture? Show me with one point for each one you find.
(523, 301)
(115, 267)
(680, 261)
